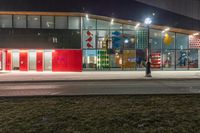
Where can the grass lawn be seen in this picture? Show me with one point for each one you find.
(101, 114)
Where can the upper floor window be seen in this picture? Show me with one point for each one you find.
(89, 23)
(61, 22)
(19, 21)
(74, 23)
(33, 21)
(6, 21)
(101, 24)
(47, 22)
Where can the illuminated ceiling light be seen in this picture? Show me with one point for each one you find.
(23, 51)
(87, 17)
(126, 41)
(112, 21)
(148, 21)
(165, 30)
(137, 25)
(153, 13)
(35, 18)
(195, 34)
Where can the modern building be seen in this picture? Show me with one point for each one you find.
(83, 35)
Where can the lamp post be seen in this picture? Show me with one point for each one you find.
(147, 22)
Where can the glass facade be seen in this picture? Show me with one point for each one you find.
(105, 45)
(117, 45)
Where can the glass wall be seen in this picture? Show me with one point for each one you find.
(117, 45)
(89, 59)
(156, 49)
(170, 51)
(182, 53)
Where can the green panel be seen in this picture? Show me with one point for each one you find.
(102, 59)
(142, 36)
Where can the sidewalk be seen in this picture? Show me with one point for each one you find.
(100, 75)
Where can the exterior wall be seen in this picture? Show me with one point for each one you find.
(72, 43)
(67, 60)
(61, 61)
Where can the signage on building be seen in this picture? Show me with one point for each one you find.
(194, 42)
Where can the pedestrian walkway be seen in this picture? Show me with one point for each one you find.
(93, 75)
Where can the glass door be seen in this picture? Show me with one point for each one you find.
(32, 60)
(48, 60)
(15, 59)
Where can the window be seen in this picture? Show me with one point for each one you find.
(89, 39)
(61, 22)
(193, 58)
(47, 22)
(155, 39)
(129, 59)
(168, 40)
(6, 21)
(102, 60)
(169, 60)
(116, 59)
(156, 56)
(117, 39)
(74, 22)
(140, 58)
(182, 59)
(19, 21)
(89, 23)
(115, 26)
(182, 41)
(103, 39)
(103, 24)
(128, 27)
(33, 21)
(142, 39)
(89, 59)
(129, 39)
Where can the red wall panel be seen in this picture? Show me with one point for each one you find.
(23, 60)
(67, 60)
(8, 60)
(39, 61)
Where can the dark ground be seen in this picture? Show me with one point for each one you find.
(101, 114)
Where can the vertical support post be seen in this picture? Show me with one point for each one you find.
(148, 65)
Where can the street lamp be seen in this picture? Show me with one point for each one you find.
(147, 22)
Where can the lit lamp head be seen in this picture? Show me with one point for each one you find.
(148, 21)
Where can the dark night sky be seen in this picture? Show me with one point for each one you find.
(124, 9)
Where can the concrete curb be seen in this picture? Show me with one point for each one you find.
(99, 80)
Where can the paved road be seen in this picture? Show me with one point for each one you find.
(101, 87)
